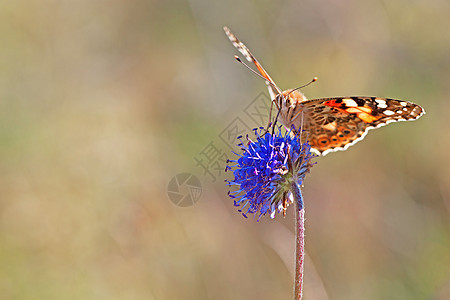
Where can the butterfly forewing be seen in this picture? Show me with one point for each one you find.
(334, 124)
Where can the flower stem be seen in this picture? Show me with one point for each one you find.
(300, 240)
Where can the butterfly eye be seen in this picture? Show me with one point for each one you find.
(279, 99)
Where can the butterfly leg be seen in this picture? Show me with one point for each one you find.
(270, 115)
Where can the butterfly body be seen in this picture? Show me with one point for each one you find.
(332, 124)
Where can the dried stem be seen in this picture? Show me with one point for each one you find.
(300, 240)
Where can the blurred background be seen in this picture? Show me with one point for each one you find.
(104, 102)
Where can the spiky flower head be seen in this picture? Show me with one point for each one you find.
(266, 170)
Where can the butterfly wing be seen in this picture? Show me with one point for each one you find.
(273, 90)
(334, 124)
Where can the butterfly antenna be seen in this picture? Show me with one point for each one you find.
(271, 83)
(305, 85)
(265, 79)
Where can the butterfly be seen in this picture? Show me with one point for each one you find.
(330, 124)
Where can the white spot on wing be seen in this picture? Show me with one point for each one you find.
(350, 102)
(388, 112)
(330, 126)
(381, 103)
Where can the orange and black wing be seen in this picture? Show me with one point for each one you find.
(334, 124)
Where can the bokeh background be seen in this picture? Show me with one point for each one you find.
(103, 102)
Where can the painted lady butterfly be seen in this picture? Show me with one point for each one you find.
(331, 124)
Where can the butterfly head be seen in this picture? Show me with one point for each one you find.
(290, 111)
(290, 98)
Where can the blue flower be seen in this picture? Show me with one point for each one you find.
(266, 171)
